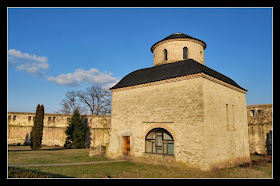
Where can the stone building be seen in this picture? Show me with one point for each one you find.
(20, 125)
(179, 112)
(260, 128)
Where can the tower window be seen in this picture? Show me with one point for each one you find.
(165, 54)
(185, 53)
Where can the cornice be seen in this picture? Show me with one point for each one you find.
(203, 75)
(178, 39)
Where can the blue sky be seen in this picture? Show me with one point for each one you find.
(54, 50)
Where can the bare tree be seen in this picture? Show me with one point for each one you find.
(96, 99)
(69, 104)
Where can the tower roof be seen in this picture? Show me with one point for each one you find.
(176, 36)
(168, 71)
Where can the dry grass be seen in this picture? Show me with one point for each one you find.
(23, 155)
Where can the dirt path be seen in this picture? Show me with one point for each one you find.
(65, 164)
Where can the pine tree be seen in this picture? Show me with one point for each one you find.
(75, 132)
(37, 129)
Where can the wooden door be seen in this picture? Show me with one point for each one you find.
(126, 145)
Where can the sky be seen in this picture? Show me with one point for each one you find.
(54, 50)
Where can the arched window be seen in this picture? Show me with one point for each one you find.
(159, 141)
(185, 53)
(165, 54)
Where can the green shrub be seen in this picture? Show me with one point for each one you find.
(76, 132)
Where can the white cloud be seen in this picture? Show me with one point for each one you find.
(36, 65)
(30, 63)
(93, 75)
(19, 54)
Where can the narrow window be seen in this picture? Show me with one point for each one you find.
(252, 112)
(233, 122)
(165, 54)
(29, 118)
(260, 112)
(15, 117)
(49, 119)
(185, 53)
(9, 117)
(53, 119)
(227, 115)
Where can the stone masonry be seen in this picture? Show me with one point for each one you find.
(260, 128)
(20, 125)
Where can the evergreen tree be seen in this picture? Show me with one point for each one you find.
(75, 132)
(37, 129)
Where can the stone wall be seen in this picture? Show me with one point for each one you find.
(226, 130)
(20, 126)
(259, 120)
(260, 125)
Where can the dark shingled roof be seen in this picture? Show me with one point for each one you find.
(168, 71)
(177, 35)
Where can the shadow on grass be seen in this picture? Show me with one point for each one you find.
(42, 149)
(26, 173)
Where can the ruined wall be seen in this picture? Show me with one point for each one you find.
(259, 125)
(20, 126)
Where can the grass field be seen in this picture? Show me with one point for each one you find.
(24, 155)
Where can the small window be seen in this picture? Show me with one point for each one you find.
(185, 53)
(15, 117)
(9, 117)
(165, 54)
(260, 112)
(53, 119)
(49, 119)
(29, 118)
